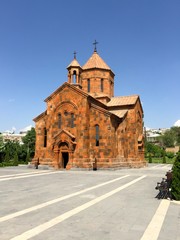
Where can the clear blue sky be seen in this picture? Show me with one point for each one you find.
(138, 39)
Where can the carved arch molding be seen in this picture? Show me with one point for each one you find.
(67, 106)
(64, 140)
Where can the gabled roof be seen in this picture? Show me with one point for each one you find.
(66, 132)
(123, 101)
(63, 86)
(119, 113)
(95, 61)
(43, 114)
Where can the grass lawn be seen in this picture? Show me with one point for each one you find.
(160, 160)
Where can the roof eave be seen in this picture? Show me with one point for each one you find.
(97, 68)
(40, 116)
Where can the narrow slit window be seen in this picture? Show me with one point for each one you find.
(72, 120)
(89, 87)
(102, 85)
(97, 135)
(45, 137)
(59, 120)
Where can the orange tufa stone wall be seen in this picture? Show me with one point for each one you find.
(79, 131)
(118, 140)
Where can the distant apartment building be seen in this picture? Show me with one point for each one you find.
(12, 136)
(152, 135)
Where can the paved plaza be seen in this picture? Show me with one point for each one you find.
(89, 205)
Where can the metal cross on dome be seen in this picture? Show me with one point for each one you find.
(95, 43)
(75, 54)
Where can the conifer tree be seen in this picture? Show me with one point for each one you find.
(150, 158)
(175, 187)
(28, 156)
(7, 156)
(164, 157)
(15, 162)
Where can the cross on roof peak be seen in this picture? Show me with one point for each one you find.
(95, 43)
(75, 54)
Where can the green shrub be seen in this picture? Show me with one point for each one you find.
(15, 161)
(7, 164)
(164, 157)
(150, 158)
(7, 156)
(175, 187)
(169, 154)
(28, 157)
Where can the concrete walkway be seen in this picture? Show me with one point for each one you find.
(47, 204)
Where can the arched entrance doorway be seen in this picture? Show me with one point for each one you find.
(65, 159)
(63, 155)
(64, 146)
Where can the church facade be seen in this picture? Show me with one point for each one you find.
(85, 126)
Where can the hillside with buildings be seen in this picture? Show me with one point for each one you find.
(155, 136)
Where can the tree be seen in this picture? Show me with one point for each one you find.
(168, 139)
(15, 162)
(154, 150)
(7, 155)
(175, 187)
(28, 156)
(11, 152)
(11, 147)
(171, 137)
(1, 148)
(164, 157)
(22, 153)
(150, 158)
(29, 142)
(176, 132)
(1, 143)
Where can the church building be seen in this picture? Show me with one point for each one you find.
(85, 126)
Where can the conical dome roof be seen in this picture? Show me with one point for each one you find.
(95, 61)
(74, 63)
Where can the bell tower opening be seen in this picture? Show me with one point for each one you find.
(74, 77)
(74, 72)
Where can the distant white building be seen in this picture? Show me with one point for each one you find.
(177, 123)
(152, 135)
(25, 130)
(12, 136)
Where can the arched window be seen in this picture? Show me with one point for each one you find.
(97, 135)
(59, 120)
(45, 137)
(89, 87)
(74, 76)
(72, 120)
(102, 85)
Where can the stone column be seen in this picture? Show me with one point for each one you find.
(77, 79)
(56, 163)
